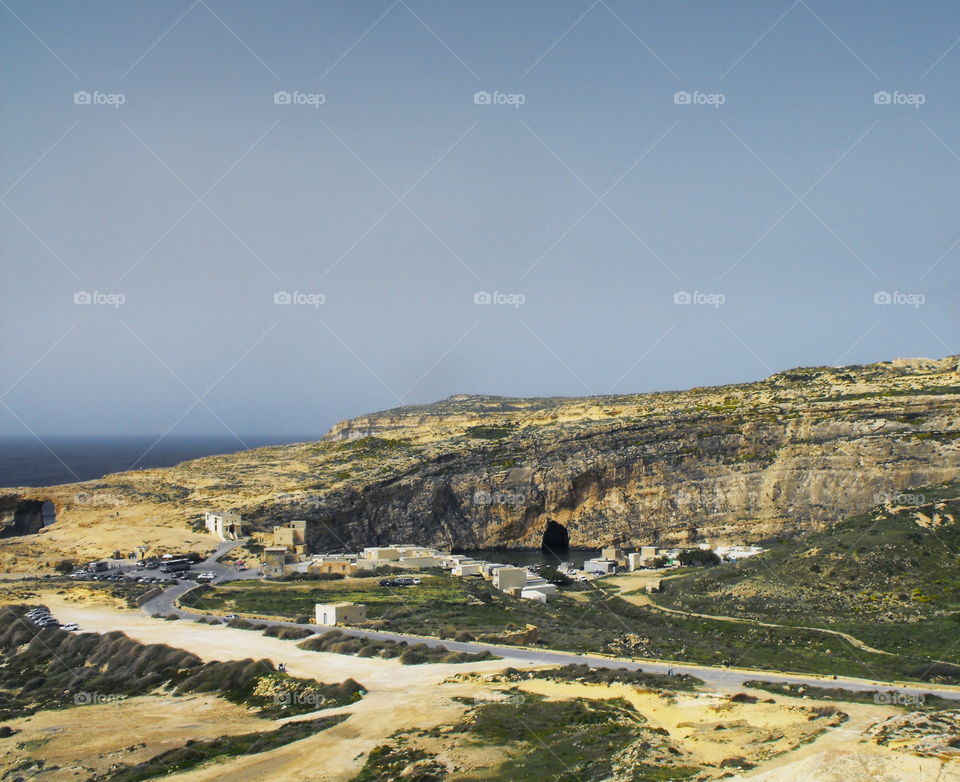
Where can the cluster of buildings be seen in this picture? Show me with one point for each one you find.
(288, 555)
(613, 559)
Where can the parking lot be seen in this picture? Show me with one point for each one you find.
(42, 618)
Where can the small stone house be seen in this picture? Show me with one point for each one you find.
(340, 613)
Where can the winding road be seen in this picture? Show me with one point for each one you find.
(165, 603)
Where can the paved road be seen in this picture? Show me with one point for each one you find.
(164, 602)
(719, 677)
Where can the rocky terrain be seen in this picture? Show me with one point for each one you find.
(794, 452)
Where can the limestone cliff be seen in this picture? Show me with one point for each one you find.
(798, 450)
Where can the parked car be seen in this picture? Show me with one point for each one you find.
(400, 581)
(70, 626)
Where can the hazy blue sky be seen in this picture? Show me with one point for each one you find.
(786, 194)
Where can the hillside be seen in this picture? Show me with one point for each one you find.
(888, 576)
(794, 452)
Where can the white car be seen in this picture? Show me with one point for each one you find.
(70, 626)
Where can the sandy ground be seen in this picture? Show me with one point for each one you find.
(845, 754)
(85, 532)
(400, 696)
(756, 731)
(419, 697)
(89, 739)
(776, 736)
(636, 580)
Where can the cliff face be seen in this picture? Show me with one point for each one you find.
(667, 481)
(798, 450)
(19, 516)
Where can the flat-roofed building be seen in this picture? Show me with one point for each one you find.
(225, 525)
(600, 565)
(342, 566)
(613, 553)
(416, 551)
(539, 592)
(420, 562)
(507, 578)
(381, 553)
(292, 536)
(274, 561)
(340, 613)
(468, 568)
(638, 561)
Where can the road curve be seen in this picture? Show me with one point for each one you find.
(165, 603)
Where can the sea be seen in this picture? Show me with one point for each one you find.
(29, 461)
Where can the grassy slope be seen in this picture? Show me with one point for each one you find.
(444, 606)
(880, 576)
(555, 741)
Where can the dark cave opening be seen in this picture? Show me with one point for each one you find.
(28, 518)
(556, 539)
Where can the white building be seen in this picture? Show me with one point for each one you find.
(420, 562)
(507, 578)
(538, 592)
(600, 565)
(638, 561)
(735, 553)
(468, 567)
(225, 525)
(490, 567)
(340, 613)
